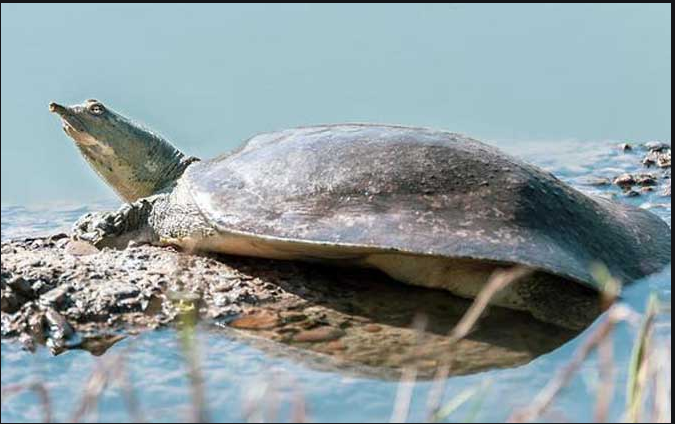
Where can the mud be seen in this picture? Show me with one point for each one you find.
(69, 295)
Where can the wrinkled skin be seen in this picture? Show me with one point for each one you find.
(133, 160)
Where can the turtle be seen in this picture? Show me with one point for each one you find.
(427, 207)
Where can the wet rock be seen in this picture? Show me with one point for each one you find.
(626, 147)
(263, 320)
(656, 146)
(35, 323)
(59, 328)
(628, 181)
(60, 334)
(11, 302)
(646, 180)
(57, 237)
(658, 155)
(20, 286)
(320, 334)
(625, 181)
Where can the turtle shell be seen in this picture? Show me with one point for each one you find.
(364, 187)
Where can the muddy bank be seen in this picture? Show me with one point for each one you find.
(70, 295)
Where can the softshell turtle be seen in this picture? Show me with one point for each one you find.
(427, 207)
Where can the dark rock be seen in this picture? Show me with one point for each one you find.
(320, 334)
(625, 181)
(628, 181)
(292, 317)
(58, 236)
(646, 180)
(19, 285)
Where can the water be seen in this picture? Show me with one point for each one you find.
(237, 373)
(209, 76)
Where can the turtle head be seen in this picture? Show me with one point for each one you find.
(133, 160)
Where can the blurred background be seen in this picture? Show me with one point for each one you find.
(210, 76)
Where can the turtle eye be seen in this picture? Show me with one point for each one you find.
(96, 109)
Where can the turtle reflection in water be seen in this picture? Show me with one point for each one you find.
(361, 323)
(429, 208)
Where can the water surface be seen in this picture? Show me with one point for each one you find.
(210, 76)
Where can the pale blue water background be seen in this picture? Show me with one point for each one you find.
(557, 85)
(210, 76)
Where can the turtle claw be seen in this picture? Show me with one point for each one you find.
(115, 229)
(97, 228)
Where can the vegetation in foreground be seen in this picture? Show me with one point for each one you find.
(648, 389)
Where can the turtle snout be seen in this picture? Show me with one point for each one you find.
(57, 108)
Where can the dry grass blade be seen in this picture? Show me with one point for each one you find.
(458, 401)
(435, 396)
(298, 405)
(661, 406)
(404, 396)
(606, 385)
(639, 364)
(187, 337)
(187, 304)
(545, 398)
(94, 387)
(124, 378)
(498, 282)
(610, 290)
(265, 399)
(409, 376)
(109, 371)
(40, 390)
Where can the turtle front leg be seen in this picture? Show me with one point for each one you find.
(117, 229)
